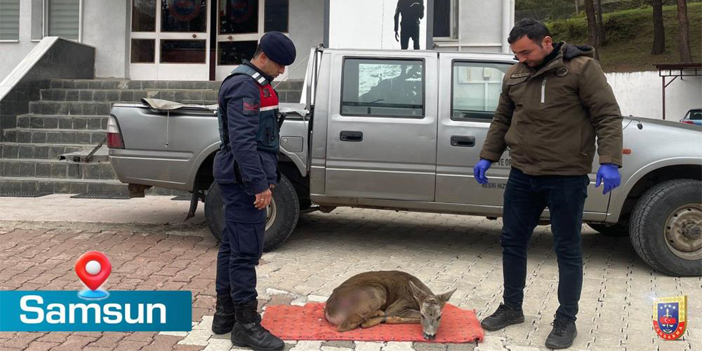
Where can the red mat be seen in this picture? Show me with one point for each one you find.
(308, 323)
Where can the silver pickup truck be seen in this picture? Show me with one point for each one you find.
(402, 130)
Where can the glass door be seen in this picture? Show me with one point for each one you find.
(169, 40)
(240, 25)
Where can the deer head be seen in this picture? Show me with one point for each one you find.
(430, 307)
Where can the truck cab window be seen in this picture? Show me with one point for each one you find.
(383, 88)
(476, 90)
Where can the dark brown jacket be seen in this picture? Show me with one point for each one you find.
(549, 119)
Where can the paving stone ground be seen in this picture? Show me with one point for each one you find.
(445, 251)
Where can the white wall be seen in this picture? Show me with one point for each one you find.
(12, 53)
(639, 94)
(105, 28)
(481, 26)
(480, 23)
(306, 28)
(367, 24)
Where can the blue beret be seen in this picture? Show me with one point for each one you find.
(278, 47)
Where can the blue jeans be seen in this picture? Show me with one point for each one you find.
(241, 246)
(526, 197)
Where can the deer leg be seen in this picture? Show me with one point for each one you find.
(374, 319)
(405, 315)
(403, 320)
(351, 323)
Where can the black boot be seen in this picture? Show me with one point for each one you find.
(248, 331)
(562, 335)
(503, 317)
(224, 316)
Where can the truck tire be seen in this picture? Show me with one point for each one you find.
(666, 227)
(283, 214)
(616, 230)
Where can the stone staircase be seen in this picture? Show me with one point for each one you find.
(71, 116)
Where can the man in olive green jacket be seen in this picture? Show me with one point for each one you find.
(553, 104)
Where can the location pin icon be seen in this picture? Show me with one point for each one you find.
(93, 268)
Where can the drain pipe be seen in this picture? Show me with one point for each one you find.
(507, 23)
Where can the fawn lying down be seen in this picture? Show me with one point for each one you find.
(372, 298)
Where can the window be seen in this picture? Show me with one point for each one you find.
(446, 19)
(235, 52)
(63, 18)
(144, 16)
(242, 16)
(276, 16)
(183, 51)
(238, 17)
(383, 88)
(143, 51)
(476, 89)
(9, 20)
(184, 16)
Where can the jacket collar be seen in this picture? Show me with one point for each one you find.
(556, 62)
(268, 78)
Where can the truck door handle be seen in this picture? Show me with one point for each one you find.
(462, 141)
(351, 136)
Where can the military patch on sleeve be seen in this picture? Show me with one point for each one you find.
(251, 107)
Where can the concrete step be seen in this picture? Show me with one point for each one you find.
(47, 168)
(70, 108)
(38, 150)
(127, 95)
(72, 186)
(122, 84)
(49, 122)
(125, 84)
(85, 108)
(55, 136)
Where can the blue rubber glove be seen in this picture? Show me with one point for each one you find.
(479, 171)
(609, 174)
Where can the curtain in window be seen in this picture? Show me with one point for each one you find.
(9, 19)
(64, 18)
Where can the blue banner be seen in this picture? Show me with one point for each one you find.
(124, 311)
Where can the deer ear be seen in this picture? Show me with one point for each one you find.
(446, 296)
(418, 293)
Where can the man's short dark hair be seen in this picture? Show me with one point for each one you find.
(258, 52)
(533, 29)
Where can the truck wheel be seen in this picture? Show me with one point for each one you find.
(282, 214)
(616, 230)
(666, 227)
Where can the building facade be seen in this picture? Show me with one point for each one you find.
(206, 39)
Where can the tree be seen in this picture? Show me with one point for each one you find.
(600, 24)
(684, 32)
(658, 28)
(592, 26)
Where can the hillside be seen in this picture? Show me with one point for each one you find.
(630, 37)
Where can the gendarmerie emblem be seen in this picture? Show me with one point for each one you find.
(670, 317)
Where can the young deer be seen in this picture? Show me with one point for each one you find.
(371, 298)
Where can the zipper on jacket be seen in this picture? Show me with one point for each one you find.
(543, 91)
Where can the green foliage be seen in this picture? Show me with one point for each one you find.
(630, 37)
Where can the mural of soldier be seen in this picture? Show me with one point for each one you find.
(412, 11)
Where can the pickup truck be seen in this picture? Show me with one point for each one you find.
(401, 130)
